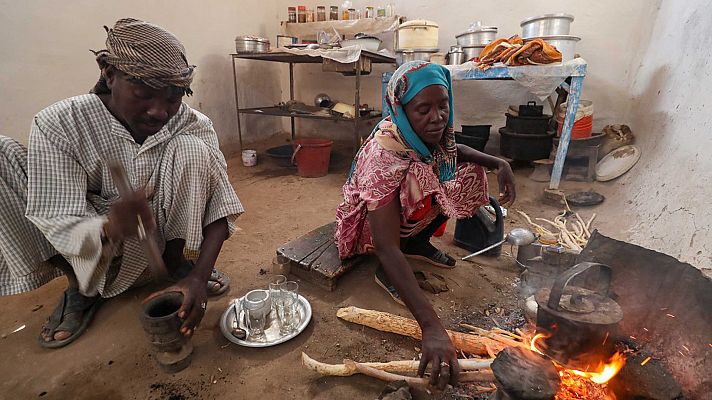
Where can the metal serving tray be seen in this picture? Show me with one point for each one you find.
(272, 334)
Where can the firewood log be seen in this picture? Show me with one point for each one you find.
(410, 366)
(386, 322)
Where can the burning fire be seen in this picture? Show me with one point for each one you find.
(571, 384)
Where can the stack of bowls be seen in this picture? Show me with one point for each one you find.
(475, 39)
(553, 29)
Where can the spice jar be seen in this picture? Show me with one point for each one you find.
(381, 12)
(321, 13)
(352, 13)
(310, 15)
(345, 10)
(302, 14)
(292, 13)
(370, 12)
(334, 14)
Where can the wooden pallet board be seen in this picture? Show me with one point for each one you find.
(315, 258)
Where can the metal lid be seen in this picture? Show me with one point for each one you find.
(553, 37)
(419, 23)
(248, 38)
(480, 29)
(582, 305)
(546, 16)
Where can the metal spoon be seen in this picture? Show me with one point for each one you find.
(517, 237)
(236, 330)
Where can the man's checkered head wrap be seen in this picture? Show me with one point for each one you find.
(146, 52)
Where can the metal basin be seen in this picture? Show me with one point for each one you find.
(251, 44)
(546, 25)
(566, 44)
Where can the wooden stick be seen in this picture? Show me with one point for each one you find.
(386, 322)
(508, 340)
(390, 377)
(150, 247)
(391, 366)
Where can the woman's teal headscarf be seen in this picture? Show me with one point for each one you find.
(406, 83)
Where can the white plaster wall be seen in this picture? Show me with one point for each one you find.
(44, 54)
(612, 31)
(665, 199)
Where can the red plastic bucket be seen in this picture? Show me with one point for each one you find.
(582, 128)
(312, 157)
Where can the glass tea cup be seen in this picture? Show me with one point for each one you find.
(274, 291)
(286, 307)
(255, 303)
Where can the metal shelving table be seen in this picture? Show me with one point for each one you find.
(292, 59)
(571, 90)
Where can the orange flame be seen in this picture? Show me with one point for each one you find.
(604, 373)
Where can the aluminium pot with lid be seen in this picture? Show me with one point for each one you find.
(251, 44)
(577, 321)
(417, 34)
(455, 56)
(477, 36)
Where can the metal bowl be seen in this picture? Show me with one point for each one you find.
(566, 44)
(546, 25)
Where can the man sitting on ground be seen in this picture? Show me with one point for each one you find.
(62, 214)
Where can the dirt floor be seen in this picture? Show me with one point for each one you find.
(112, 359)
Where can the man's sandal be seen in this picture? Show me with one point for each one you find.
(71, 302)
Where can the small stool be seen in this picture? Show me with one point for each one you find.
(580, 164)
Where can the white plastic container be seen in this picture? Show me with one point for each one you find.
(416, 35)
(249, 158)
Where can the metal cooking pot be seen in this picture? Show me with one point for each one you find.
(566, 44)
(251, 44)
(479, 36)
(404, 56)
(455, 56)
(546, 25)
(578, 321)
(472, 52)
(322, 100)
